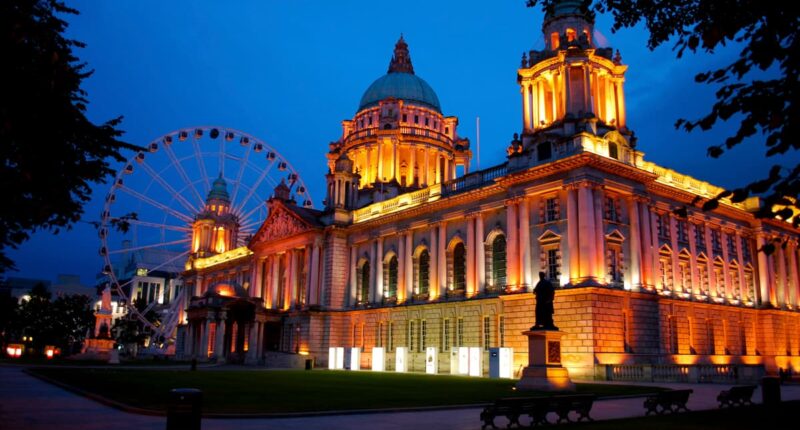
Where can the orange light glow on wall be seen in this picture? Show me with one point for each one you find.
(220, 247)
(225, 290)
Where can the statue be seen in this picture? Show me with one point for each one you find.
(545, 293)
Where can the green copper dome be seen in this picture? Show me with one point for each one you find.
(219, 190)
(401, 83)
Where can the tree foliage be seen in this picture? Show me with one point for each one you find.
(766, 107)
(62, 322)
(50, 153)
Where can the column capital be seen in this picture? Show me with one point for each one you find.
(511, 201)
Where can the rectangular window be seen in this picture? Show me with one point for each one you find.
(487, 333)
(426, 122)
(683, 235)
(553, 266)
(446, 335)
(369, 120)
(611, 209)
(551, 210)
(416, 119)
(501, 330)
(673, 334)
(663, 226)
(389, 338)
(405, 118)
(716, 242)
(423, 335)
(730, 240)
(410, 335)
(745, 249)
(711, 347)
(460, 332)
(700, 236)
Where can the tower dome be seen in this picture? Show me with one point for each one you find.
(219, 190)
(400, 83)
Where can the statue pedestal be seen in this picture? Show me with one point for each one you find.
(544, 371)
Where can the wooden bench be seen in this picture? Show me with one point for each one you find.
(665, 402)
(739, 395)
(537, 409)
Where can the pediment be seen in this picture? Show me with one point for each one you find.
(280, 223)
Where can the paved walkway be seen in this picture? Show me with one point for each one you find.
(29, 403)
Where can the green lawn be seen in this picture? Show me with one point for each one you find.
(281, 391)
(783, 416)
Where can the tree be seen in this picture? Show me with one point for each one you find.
(73, 318)
(767, 107)
(50, 153)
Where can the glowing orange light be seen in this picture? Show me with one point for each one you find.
(225, 290)
(14, 350)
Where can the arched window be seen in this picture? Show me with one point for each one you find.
(459, 267)
(391, 277)
(498, 271)
(363, 282)
(387, 127)
(555, 40)
(613, 150)
(571, 34)
(423, 272)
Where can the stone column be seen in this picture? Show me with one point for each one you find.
(693, 261)
(634, 244)
(401, 267)
(353, 275)
(512, 244)
(203, 352)
(654, 249)
(471, 244)
(572, 235)
(740, 254)
(378, 295)
(291, 291)
(725, 265)
(276, 261)
(380, 161)
(599, 235)
(373, 267)
(198, 286)
(395, 161)
(442, 258)
(586, 233)
(219, 342)
(526, 277)
(412, 156)
(526, 106)
(437, 168)
(424, 171)
(433, 271)
(712, 279)
(793, 284)
(780, 283)
(673, 240)
(480, 254)
(252, 344)
(188, 344)
(313, 295)
(409, 263)
(307, 267)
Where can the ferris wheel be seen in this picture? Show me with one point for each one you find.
(146, 223)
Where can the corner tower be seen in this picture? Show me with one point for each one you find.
(399, 140)
(572, 86)
(215, 229)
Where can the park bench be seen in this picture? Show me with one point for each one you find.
(537, 409)
(665, 402)
(738, 395)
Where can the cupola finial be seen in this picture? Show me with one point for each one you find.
(401, 60)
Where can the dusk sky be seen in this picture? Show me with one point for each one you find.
(288, 72)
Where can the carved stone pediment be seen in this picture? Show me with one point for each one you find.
(279, 224)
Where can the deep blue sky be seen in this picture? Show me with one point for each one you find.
(290, 71)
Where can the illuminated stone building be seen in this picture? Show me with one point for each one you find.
(406, 253)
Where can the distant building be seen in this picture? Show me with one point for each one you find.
(407, 253)
(21, 287)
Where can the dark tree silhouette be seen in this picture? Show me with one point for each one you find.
(50, 153)
(767, 109)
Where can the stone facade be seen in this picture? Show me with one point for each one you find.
(648, 286)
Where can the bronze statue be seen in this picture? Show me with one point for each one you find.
(545, 294)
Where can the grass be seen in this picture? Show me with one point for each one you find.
(284, 391)
(744, 418)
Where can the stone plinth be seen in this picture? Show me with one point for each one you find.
(96, 349)
(544, 371)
